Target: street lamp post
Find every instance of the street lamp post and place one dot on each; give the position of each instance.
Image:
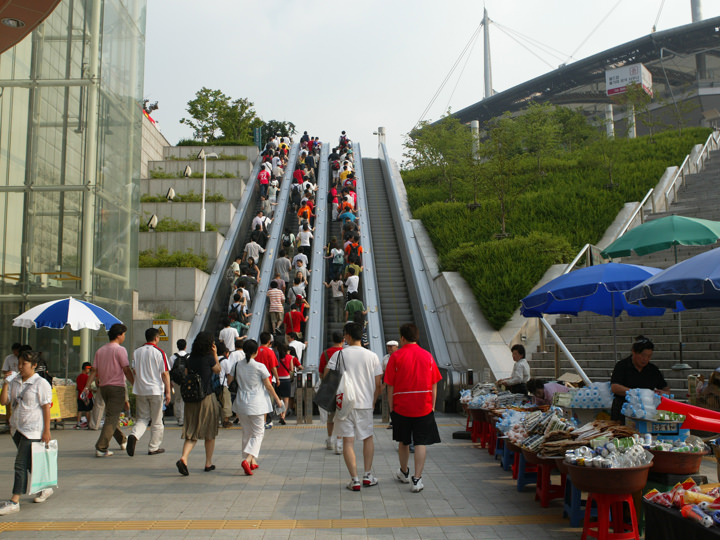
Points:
(202, 155)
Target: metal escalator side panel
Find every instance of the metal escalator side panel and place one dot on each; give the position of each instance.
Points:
(368, 281)
(217, 289)
(315, 327)
(418, 279)
(273, 246)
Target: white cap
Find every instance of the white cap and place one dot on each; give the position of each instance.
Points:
(392, 343)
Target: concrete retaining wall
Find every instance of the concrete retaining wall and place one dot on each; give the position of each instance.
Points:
(191, 152)
(177, 290)
(231, 188)
(237, 168)
(153, 144)
(219, 214)
(198, 242)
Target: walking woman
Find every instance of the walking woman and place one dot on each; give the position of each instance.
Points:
(202, 417)
(30, 397)
(252, 403)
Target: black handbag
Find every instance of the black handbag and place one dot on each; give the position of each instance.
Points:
(325, 395)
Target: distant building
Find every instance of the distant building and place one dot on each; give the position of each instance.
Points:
(685, 67)
(70, 136)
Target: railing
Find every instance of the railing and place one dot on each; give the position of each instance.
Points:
(638, 210)
(712, 143)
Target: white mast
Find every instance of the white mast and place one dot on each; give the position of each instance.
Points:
(488, 63)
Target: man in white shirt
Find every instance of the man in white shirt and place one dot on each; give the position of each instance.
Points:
(363, 368)
(178, 403)
(352, 283)
(228, 335)
(252, 250)
(257, 220)
(298, 346)
(152, 380)
(10, 364)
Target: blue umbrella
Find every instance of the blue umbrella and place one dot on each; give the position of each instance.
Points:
(694, 282)
(68, 312)
(598, 289)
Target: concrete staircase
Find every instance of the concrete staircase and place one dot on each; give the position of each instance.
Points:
(589, 337)
(178, 291)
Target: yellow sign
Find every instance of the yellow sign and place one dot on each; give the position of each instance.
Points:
(164, 328)
(55, 407)
(76, 341)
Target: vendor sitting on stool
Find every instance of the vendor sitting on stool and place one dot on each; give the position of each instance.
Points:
(517, 382)
(544, 391)
(635, 371)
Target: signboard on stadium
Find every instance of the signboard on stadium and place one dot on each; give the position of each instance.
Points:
(618, 79)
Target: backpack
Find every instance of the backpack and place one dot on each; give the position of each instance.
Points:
(354, 251)
(230, 274)
(177, 373)
(339, 258)
(192, 389)
(295, 195)
(286, 240)
(336, 165)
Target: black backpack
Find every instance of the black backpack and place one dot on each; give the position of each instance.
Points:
(295, 194)
(192, 388)
(177, 373)
(286, 240)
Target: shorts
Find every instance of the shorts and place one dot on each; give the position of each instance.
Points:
(283, 388)
(358, 424)
(276, 318)
(421, 430)
(326, 416)
(84, 407)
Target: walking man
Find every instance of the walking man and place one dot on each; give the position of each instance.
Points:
(152, 391)
(111, 367)
(178, 358)
(411, 378)
(363, 368)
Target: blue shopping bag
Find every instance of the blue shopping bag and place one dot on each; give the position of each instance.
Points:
(44, 471)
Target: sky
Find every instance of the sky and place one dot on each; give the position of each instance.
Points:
(333, 66)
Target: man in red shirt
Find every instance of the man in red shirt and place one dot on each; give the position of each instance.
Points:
(329, 418)
(266, 356)
(411, 378)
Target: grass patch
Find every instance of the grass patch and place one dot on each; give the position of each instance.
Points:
(168, 224)
(162, 258)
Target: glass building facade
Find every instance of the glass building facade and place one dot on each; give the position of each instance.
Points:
(70, 136)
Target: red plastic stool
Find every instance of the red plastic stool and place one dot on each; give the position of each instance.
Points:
(516, 465)
(545, 490)
(491, 438)
(606, 504)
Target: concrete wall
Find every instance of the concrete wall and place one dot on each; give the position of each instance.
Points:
(234, 167)
(191, 152)
(208, 242)
(153, 144)
(231, 188)
(219, 214)
(177, 290)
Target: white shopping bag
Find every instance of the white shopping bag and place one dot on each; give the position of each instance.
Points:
(44, 472)
(345, 398)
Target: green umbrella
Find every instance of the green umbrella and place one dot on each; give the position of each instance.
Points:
(662, 234)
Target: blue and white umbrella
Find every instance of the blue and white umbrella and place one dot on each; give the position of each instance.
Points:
(58, 314)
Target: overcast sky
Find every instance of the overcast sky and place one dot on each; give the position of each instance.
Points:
(332, 66)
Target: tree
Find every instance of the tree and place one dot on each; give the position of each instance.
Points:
(215, 116)
(574, 128)
(277, 127)
(636, 102)
(444, 147)
(539, 132)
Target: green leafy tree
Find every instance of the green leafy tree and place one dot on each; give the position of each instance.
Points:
(274, 127)
(215, 116)
(444, 147)
(575, 130)
(539, 132)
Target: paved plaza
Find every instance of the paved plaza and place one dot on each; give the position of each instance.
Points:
(298, 492)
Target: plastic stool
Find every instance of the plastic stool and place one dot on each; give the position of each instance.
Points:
(516, 465)
(600, 529)
(527, 474)
(507, 458)
(574, 505)
(492, 438)
(499, 446)
(545, 490)
(476, 431)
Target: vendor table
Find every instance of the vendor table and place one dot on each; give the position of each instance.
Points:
(667, 524)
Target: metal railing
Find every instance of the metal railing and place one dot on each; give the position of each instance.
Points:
(712, 143)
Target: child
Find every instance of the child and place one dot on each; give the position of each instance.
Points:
(84, 406)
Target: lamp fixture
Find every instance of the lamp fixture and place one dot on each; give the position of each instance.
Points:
(170, 195)
(12, 22)
(152, 222)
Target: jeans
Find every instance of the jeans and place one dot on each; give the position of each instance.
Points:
(23, 462)
(114, 397)
(149, 411)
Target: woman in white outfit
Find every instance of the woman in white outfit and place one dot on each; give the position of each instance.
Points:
(254, 400)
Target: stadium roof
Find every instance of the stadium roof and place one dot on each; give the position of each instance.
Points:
(673, 57)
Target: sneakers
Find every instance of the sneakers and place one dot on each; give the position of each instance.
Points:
(81, 425)
(338, 447)
(369, 480)
(43, 496)
(9, 507)
(269, 425)
(107, 453)
(123, 445)
(403, 477)
(417, 485)
(329, 443)
(131, 442)
(354, 485)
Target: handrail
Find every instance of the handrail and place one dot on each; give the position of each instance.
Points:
(315, 328)
(562, 346)
(590, 249)
(679, 173)
(638, 210)
(368, 281)
(272, 247)
(224, 258)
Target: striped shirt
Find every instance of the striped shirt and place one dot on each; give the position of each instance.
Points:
(276, 298)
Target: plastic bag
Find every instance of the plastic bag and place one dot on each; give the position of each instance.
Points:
(44, 472)
(345, 398)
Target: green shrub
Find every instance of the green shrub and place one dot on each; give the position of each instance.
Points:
(190, 196)
(221, 157)
(568, 206)
(219, 142)
(168, 224)
(178, 259)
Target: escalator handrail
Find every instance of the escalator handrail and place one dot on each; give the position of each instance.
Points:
(224, 258)
(417, 270)
(272, 247)
(368, 279)
(315, 327)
